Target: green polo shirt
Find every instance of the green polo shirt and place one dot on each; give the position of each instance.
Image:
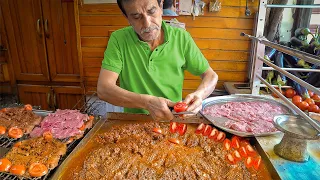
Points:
(159, 72)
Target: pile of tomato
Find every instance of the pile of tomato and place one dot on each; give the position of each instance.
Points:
(311, 104)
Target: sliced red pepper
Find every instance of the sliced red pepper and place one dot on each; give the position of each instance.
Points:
(248, 162)
(235, 142)
(236, 155)
(182, 129)
(157, 130)
(256, 163)
(214, 133)
(173, 127)
(250, 150)
(174, 140)
(207, 130)
(243, 152)
(221, 136)
(227, 144)
(200, 128)
(230, 158)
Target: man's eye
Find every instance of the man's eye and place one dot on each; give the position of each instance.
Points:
(136, 17)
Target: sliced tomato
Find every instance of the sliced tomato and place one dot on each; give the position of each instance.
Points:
(173, 127)
(182, 129)
(180, 107)
(82, 127)
(47, 135)
(5, 164)
(244, 142)
(250, 150)
(214, 133)
(28, 107)
(3, 110)
(17, 144)
(174, 140)
(37, 170)
(227, 144)
(221, 136)
(2, 130)
(256, 163)
(70, 140)
(18, 169)
(15, 132)
(243, 152)
(207, 130)
(248, 162)
(91, 118)
(236, 155)
(230, 159)
(157, 130)
(235, 142)
(200, 128)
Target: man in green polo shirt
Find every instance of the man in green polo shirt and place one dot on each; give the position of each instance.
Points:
(150, 58)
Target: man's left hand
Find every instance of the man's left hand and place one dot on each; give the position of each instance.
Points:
(194, 102)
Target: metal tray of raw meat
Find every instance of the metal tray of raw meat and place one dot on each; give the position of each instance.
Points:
(220, 121)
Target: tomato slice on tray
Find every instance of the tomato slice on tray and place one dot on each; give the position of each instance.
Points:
(227, 144)
(157, 130)
(250, 150)
(200, 128)
(173, 127)
(15, 133)
(243, 152)
(37, 170)
(47, 135)
(174, 140)
(28, 107)
(180, 107)
(207, 130)
(5, 164)
(214, 133)
(230, 159)
(235, 142)
(256, 163)
(248, 162)
(2, 130)
(182, 129)
(236, 155)
(3, 110)
(18, 169)
(221, 136)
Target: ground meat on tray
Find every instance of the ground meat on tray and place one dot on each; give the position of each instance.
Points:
(133, 151)
(253, 116)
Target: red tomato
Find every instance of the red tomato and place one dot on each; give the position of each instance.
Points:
(173, 127)
(37, 170)
(182, 129)
(235, 142)
(309, 101)
(256, 163)
(303, 105)
(214, 133)
(227, 144)
(82, 127)
(47, 135)
(243, 152)
(200, 128)
(174, 140)
(250, 150)
(180, 107)
(296, 100)
(2, 130)
(220, 137)
(3, 110)
(275, 95)
(310, 93)
(15, 132)
(248, 162)
(157, 130)
(28, 107)
(316, 99)
(236, 155)
(17, 169)
(290, 93)
(230, 159)
(244, 142)
(207, 130)
(314, 108)
(5, 164)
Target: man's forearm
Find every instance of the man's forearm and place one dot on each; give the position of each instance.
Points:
(208, 84)
(120, 97)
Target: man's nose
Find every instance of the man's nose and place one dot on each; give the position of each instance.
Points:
(147, 21)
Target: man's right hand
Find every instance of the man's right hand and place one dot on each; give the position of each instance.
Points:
(158, 108)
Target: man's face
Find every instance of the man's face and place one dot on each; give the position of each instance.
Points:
(145, 17)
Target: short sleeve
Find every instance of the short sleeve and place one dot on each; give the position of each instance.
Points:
(112, 60)
(196, 63)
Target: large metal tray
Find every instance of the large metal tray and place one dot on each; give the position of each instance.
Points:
(123, 118)
(219, 121)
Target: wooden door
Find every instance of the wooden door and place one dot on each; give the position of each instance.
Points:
(3, 51)
(67, 97)
(61, 40)
(24, 24)
(36, 95)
